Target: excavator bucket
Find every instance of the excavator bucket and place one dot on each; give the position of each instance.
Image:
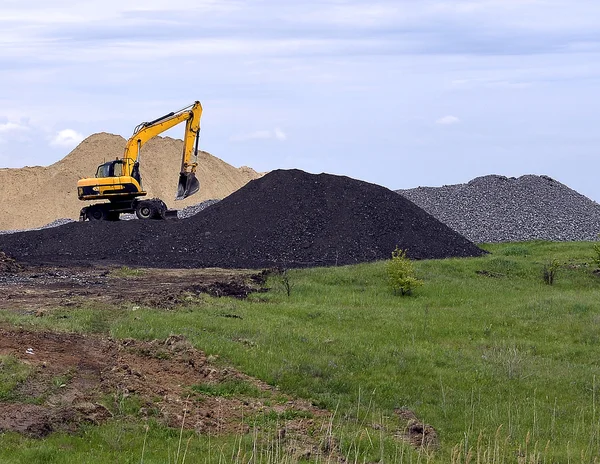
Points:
(188, 185)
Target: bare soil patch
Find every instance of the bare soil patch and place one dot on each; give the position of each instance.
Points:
(8, 264)
(78, 378)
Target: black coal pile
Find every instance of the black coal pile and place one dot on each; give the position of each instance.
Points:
(506, 209)
(287, 218)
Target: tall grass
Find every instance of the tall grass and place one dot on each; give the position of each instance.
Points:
(503, 366)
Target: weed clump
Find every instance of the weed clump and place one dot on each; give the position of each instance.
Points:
(549, 271)
(401, 274)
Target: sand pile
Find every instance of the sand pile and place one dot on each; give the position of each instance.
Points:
(506, 209)
(288, 218)
(35, 196)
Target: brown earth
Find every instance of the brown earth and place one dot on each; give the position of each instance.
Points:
(75, 378)
(35, 196)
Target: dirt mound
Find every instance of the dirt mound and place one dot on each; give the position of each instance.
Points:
(417, 433)
(506, 209)
(71, 376)
(8, 265)
(287, 218)
(34, 196)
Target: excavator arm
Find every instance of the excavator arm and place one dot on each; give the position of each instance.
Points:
(188, 183)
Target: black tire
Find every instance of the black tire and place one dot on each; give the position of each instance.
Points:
(97, 213)
(145, 210)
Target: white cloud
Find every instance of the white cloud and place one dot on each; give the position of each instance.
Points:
(66, 138)
(491, 83)
(279, 134)
(448, 120)
(276, 134)
(12, 127)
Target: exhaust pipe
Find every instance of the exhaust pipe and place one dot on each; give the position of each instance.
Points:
(188, 185)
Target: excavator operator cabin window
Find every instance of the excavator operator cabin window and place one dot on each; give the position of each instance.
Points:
(117, 168)
(110, 169)
(103, 170)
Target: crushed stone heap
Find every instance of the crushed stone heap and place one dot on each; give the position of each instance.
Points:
(288, 218)
(505, 209)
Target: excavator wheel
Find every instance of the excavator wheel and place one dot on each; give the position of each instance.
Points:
(146, 209)
(97, 213)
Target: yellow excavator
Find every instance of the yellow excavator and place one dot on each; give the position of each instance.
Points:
(120, 182)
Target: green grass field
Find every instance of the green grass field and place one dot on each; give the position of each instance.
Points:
(505, 367)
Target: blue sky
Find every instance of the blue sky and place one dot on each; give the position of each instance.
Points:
(399, 93)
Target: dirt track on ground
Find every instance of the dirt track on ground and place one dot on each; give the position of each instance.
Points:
(35, 288)
(97, 373)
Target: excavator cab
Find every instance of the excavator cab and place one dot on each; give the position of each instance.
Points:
(110, 169)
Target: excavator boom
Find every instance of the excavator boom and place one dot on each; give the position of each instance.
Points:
(188, 183)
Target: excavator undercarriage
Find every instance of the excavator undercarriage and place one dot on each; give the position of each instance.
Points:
(143, 209)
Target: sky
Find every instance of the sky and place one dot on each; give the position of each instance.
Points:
(399, 93)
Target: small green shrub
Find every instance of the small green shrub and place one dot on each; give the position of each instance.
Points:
(284, 280)
(126, 271)
(596, 257)
(401, 274)
(549, 271)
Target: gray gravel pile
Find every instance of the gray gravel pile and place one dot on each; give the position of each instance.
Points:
(189, 211)
(55, 223)
(184, 213)
(502, 209)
